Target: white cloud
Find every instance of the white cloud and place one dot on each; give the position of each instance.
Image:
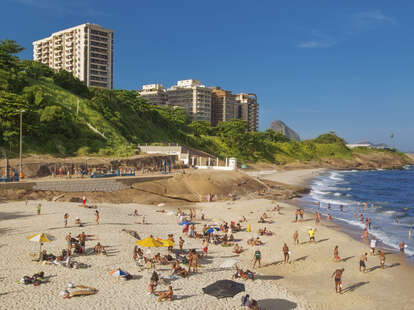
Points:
(315, 44)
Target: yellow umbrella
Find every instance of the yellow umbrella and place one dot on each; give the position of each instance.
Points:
(167, 242)
(40, 238)
(149, 242)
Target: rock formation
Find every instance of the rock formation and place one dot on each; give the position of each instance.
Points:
(284, 129)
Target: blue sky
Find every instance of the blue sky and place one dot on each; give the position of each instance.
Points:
(345, 66)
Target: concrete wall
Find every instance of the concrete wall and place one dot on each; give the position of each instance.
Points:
(85, 185)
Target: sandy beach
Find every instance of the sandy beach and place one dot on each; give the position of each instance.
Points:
(303, 283)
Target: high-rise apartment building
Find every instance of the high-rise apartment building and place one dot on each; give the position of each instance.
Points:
(222, 106)
(248, 110)
(154, 94)
(193, 97)
(85, 50)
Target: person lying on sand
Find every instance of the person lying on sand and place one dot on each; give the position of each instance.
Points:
(237, 249)
(245, 275)
(265, 232)
(168, 295)
(160, 211)
(178, 270)
(257, 241)
(78, 222)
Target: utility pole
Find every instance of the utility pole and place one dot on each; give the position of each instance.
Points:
(21, 142)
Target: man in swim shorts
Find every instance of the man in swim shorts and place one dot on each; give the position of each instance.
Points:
(382, 259)
(362, 262)
(338, 279)
(402, 246)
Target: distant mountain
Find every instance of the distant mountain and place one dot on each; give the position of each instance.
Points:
(284, 129)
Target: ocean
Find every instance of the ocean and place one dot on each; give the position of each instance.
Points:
(389, 195)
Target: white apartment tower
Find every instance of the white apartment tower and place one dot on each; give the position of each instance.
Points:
(154, 93)
(85, 50)
(193, 97)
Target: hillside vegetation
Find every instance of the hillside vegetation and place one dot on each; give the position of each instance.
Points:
(63, 117)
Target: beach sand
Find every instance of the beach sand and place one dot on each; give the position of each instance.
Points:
(305, 283)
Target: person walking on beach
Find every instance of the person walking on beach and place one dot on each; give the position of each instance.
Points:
(336, 257)
(362, 262)
(296, 237)
(65, 219)
(257, 258)
(97, 216)
(205, 247)
(382, 259)
(373, 245)
(338, 279)
(285, 250)
(402, 247)
(38, 208)
(181, 244)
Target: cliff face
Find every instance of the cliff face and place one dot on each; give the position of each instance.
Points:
(284, 129)
(360, 161)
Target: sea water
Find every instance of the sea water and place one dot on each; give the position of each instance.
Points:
(389, 195)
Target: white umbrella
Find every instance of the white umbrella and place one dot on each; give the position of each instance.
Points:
(229, 263)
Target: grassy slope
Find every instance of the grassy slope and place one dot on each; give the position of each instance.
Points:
(145, 129)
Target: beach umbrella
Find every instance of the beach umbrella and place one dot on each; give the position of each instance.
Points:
(149, 242)
(224, 289)
(166, 242)
(211, 229)
(185, 223)
(40, 238)
(229, 263)
(118, 273)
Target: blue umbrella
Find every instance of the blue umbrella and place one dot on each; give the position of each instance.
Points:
(211, 229)
(185, 223)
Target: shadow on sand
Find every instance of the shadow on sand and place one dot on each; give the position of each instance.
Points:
(276, 303)
(346, 259)
(266, 277)
(353, 287)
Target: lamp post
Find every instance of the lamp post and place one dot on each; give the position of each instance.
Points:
(21, 142)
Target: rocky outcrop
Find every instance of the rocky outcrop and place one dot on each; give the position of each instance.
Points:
(280, 126)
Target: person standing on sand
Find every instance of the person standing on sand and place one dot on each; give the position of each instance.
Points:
(84, 200)
(181, 244)
(38, 208)
(205, 247)
(311, 233)
(336, 254)
(285, 250)
(373, 245)
(97, 216)
(338, 279)
(362, 262)
(402, 247)
(65, 219)
(257, 258)
(296, 237)
(382, 259)
(365, 235)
